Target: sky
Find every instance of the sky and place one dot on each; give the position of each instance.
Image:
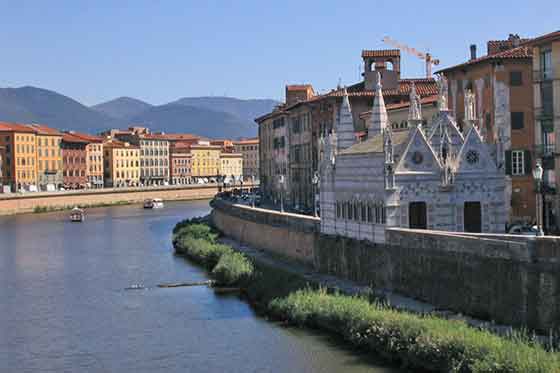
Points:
(159, 51)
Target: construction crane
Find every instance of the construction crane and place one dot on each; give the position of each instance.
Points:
(424, 56)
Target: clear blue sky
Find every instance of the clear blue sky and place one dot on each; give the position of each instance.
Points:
(162, 50)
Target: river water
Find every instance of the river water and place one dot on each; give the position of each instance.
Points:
(64, 307)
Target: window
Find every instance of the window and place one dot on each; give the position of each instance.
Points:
(517, 162)
(515, 78)
(517, 119)
(546, 63)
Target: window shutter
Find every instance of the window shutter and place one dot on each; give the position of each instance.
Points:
(508, 162)
(527, 159)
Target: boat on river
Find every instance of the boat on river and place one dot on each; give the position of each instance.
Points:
(153, 203)
(77, 215)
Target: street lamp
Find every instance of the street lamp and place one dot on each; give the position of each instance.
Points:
(537, 175)
(315, 182)
(281, 182)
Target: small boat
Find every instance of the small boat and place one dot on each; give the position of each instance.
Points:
(155, 203)
(77, 215)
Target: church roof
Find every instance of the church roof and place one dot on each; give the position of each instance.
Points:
(375, 144)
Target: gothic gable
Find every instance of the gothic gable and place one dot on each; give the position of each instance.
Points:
(444, 127)
(418, 156)
(475, 155)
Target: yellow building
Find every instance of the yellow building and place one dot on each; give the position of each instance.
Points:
(231, 165)
(121, 164)
(49, 157)
(205, 160)
(19, 171)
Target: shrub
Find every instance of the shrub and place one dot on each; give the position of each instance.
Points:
(424, 342)
(233, 268)
(201, 250)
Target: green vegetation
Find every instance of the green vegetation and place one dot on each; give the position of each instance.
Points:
(41, 209)
(233, 268)
(417, 342)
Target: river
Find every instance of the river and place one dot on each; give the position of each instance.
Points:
(64, 307)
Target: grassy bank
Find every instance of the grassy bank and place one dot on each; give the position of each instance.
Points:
(417, 342)
(42, 209)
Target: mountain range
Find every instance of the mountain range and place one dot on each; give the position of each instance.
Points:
(213, 117)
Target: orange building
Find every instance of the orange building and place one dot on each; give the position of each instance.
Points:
(94, 159)
(49, 157)
(502, 83)
(20, 164)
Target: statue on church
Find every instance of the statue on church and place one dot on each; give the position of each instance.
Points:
(470, 106)
(415, 107)
(442, 92)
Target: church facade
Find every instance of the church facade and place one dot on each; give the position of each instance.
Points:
(436, 178)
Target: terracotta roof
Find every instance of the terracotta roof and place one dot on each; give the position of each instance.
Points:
(176, 136)
(87, 137)
(299, 87)
(424, 101)
(68, 137)
(119, 144)
(15, 127)
(375, 144)
(424, 87)
(247, 141)
(497, 46)
(381, 53)
(44, 130)
(518, 53)
(553, 36)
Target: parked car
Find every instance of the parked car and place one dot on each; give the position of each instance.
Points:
(524, 230)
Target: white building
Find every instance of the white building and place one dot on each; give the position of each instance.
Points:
(439, 179)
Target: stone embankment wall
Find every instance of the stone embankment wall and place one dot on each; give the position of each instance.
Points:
(16, 204)
(512, 280)
(286, 234)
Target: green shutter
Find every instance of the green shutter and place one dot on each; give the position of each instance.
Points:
(508, 162)
(528, 165)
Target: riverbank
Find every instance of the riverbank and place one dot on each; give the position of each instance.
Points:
(12, 204)
(412, 340)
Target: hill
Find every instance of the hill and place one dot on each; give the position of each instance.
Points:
(122, 108)
(246, 110)
(174, 118)
(37, 105)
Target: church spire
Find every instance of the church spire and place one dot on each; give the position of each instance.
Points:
(378, 120)
(345, 124)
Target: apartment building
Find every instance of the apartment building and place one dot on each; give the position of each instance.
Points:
(249, 148)
(231, 165)
(2, 157)
(546, 106)
(205, 160)
(49, 157)
(74, 161)
(20, 166)
(121, 163)
(180, 164)
(501, 81)
(154, 154)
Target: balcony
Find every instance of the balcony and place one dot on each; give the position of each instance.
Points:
(543, 75)
(545, 113)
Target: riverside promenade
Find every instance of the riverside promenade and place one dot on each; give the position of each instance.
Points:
(19, 203)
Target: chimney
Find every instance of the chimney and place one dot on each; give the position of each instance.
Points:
(473, 51)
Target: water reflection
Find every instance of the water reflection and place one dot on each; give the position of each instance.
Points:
(64, 307)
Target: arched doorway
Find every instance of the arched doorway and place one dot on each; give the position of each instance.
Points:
(417, 215)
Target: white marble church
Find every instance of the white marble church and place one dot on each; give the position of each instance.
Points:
(436, 178)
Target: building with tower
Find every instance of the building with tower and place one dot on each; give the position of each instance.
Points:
(438, 178)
